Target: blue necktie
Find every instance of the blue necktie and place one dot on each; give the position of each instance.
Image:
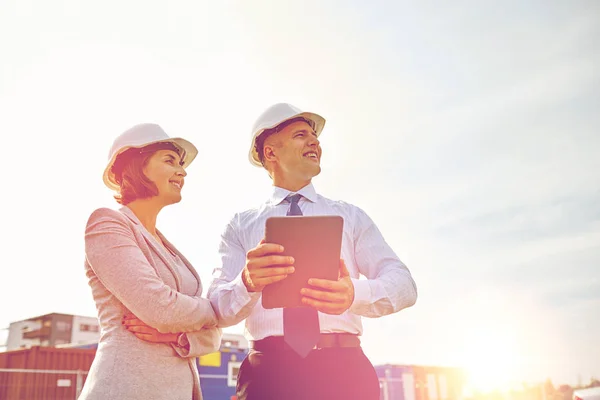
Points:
(300, 324)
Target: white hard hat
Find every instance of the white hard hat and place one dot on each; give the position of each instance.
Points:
(274, 116)
(140, 136)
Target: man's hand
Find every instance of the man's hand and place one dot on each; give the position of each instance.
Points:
(264, 266)
(330, 297)
(145, 332)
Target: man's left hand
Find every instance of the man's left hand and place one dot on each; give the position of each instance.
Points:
(330, 297)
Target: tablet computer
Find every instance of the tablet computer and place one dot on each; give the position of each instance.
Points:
(315, 242)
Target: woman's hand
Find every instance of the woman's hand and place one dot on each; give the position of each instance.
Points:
(145, 332)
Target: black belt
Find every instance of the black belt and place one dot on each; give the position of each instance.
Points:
(326, 340)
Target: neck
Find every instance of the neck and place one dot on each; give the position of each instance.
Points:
(291, 185)
(146, 210)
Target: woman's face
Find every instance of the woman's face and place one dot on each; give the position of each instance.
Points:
(165, 171)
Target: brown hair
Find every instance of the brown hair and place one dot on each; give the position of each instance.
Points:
(259, 143)
(129, 172)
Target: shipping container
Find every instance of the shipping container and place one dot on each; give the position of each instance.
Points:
(439, 383)
(50, 373)
(43, 373)
(218, 373)
(416, 382)
(396, 382)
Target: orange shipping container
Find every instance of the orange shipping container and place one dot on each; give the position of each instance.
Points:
(438, 383)
(44, 373)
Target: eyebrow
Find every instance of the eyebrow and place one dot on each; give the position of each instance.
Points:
(304, 130)
(172, 157)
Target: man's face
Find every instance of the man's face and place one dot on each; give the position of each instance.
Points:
(295, 152)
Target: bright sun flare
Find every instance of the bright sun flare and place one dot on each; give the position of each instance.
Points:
(490, 359)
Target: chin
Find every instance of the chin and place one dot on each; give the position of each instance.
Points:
(309, 174)
(174, 199)
(316, 170)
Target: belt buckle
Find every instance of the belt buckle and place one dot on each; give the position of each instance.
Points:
(318, 347)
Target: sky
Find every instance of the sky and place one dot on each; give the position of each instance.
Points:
(468, 131)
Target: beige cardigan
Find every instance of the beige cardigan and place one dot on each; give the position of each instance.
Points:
(129, 271)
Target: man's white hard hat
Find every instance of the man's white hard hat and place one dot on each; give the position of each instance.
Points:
(275, 115)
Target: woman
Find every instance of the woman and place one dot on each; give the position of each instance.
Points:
(143, 287)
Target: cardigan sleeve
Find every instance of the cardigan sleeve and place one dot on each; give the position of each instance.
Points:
(199, 343)
(117, 260)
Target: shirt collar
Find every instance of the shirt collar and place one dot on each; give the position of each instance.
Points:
(279, 194)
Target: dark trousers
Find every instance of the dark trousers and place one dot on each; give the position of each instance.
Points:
(331, 373)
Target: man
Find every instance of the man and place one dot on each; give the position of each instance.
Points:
(286, 361)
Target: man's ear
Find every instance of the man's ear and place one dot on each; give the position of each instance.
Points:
(269, 153)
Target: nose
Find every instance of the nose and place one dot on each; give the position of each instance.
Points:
(314, 141)
(181, 171)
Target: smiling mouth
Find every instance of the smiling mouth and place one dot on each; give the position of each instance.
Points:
(178, 185)
(312, 155)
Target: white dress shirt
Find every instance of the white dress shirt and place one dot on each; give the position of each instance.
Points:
(388, 288)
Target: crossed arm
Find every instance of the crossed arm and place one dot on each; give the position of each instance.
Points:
(162, 314)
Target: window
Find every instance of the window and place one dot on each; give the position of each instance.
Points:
(88, 328)
(233, 367)
(431, 387)
(63, 326)
(408, 383)
(443, 387)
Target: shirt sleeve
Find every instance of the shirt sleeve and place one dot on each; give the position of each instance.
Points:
(227, 293)
(389, 286)
(116, 259)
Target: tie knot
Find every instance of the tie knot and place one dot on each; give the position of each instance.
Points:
(294, 198)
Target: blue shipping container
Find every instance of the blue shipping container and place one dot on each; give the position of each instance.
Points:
(396, 382)
(218, 373)
(418, 382)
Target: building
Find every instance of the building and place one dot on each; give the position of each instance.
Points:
(417, 382)
(52, 330)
